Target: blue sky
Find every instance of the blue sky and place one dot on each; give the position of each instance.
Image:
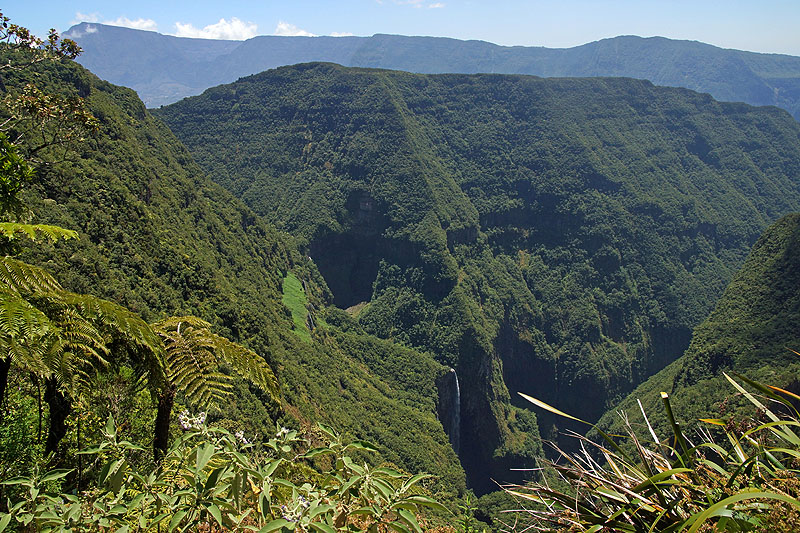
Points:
(759, 25)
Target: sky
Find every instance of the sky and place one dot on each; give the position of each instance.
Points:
(771, 26)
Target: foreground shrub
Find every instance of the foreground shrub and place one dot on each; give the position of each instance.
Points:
(212, 480)
(749, 484)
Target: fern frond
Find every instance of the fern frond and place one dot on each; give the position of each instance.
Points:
(248, 365)
(194, 356)
(192, 365)
(13, 230)
(23, 330)
(24, 278)
(245, 362)
(75, 355)
(122, 325)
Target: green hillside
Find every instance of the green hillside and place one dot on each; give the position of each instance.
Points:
(156, 235)
(752, 331)
(557, 236)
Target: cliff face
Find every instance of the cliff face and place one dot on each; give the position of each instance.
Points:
(752, 331)
(557, 237)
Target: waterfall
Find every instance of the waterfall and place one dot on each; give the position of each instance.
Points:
(455, 436)
(449, 407)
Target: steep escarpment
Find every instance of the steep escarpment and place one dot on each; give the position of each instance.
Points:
(752, 331)
(560, 237)
(156, 235)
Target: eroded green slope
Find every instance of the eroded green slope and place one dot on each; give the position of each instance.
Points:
(156, 235)
(560, 237)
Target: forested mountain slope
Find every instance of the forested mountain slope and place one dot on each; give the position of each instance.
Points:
(156, 235)
(164, 69)
(753, 330)
(560, 237)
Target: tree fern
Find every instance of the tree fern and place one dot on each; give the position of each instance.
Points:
(192, 365)
(193, 358)
(193, 352)
(65, 338)
(34, 232)
(124, 330)
(24, 278)
(22, 330)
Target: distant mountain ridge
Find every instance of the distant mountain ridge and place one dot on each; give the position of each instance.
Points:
(163, 69)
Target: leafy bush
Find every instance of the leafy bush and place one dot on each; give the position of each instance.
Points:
(668, 486)
(211, 479)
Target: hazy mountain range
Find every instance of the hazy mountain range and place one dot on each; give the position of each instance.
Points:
(163, 69)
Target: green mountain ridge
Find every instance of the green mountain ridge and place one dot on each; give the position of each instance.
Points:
(159, 237)
(560, 237)
(164, 69)
(752, 331)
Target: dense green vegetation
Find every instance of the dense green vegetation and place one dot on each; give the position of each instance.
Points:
(753, 330)
(560, 237)
(155, 235)
(557, 236)
(706, 440)
(294, 298)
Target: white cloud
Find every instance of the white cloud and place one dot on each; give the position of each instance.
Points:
(83, 17)
(136, 24)
(342, 34)
(417, 4)
(290, 30)
(77, 34)
(234, 30)
(125, 22)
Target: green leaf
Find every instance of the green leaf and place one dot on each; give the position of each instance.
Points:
(362, 445)
(216, 513)
(277, 525)
(24, 481)
(213, 477)
(4, 521)
(111, 427)
(388, 472)
(55, 474)
(428, 502)
(323, 528)
(204, 454)
(176, 520)
(384, 488)
(400, 528)
(316, 451)
(414, 480)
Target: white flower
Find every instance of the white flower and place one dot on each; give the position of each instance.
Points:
(240, 435)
